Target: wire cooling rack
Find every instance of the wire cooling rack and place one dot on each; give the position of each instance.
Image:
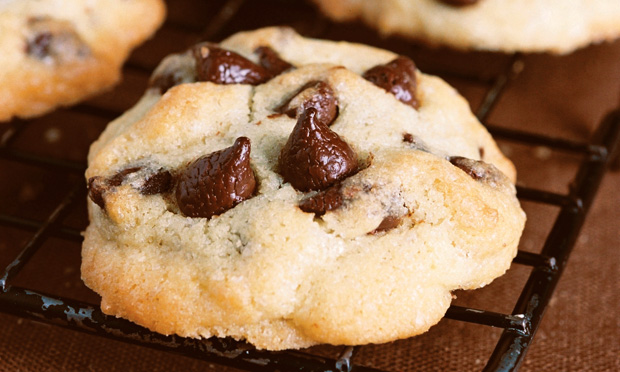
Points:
(519, 326)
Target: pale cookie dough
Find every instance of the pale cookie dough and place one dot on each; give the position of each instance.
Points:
(56, 53)
(417, 209)
(557, 26)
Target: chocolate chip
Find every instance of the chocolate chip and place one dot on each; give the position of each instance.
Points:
(54, 40)
(315, 157)
(222, 66)
(316, 94)
(119, 177)
(215, 183)
(481, 152)
(148, 183)
(397, 77)
(323, 201)
(165, 81)
(459, 2)
(156, 183)
(388, 223)
(271, 61)
(39, 46)
(475, 169)
(415, 142)
(97, 186)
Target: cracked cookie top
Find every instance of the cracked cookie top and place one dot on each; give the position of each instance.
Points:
(291, 191)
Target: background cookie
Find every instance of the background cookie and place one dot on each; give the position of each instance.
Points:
(415, 207)
(59, 52)
(557, 26)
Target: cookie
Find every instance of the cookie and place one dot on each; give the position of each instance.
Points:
(290, 192)
(557, 26)
(56, 53)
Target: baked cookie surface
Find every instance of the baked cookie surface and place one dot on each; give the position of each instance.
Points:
(557, 26)
(290, 192)
(55, 53)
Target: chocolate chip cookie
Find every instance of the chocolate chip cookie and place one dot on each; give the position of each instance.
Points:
(290, 192)
(58, 53)
(557, 26)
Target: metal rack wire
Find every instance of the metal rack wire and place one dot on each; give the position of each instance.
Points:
(519, 326)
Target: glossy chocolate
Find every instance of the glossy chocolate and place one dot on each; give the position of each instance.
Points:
(156, 183)
(314, 156)
(397, 77)
(215, 183)
(222, 66)
(316, 94)
(271, 61)
(324, 201)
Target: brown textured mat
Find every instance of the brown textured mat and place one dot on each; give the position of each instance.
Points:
(564, 96)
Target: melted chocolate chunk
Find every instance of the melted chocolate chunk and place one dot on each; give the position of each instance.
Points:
(388, 223)
(152, 183)
(222, 66)
(156, 183)
(397, 77)
(316, 94)
(314, 156)
(271, 61)
(459, 2)
(215, 183)
(323, 201)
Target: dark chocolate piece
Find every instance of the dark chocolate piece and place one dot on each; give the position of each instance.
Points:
(479, 170)
(397, 77)
(271, 61)
(215, 183)
(468, 166)
(156, 183)
(56, 39)
(408, 137)
(119, 177)
(323, 201)
(153, 183)
(97, 186)
(316, 94)
(315, 157)
(222, 66)
(39, 46)
(388, 223)
(165, 81)
(459, 2)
